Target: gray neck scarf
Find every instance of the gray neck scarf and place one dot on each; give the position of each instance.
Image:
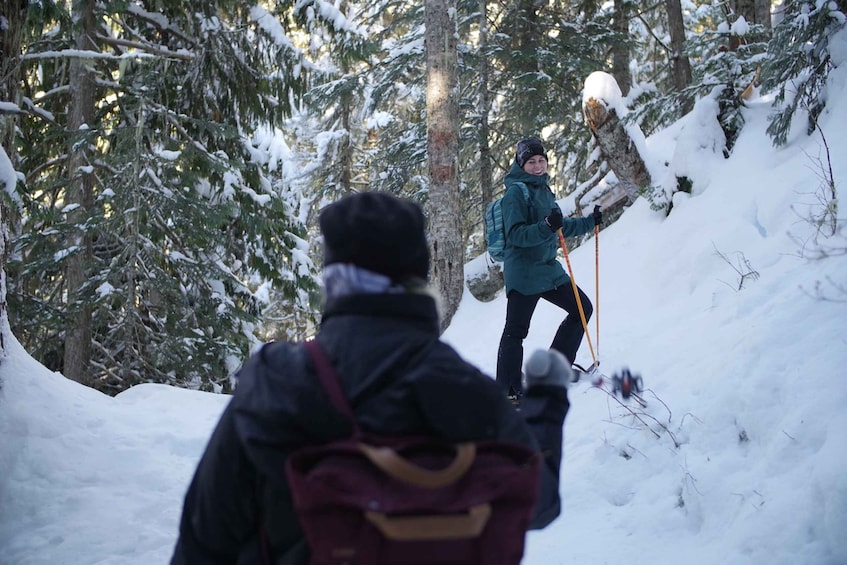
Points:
(343, 279)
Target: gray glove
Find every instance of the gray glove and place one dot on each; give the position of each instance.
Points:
(547, 367)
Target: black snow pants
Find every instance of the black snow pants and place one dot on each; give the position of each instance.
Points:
(519, 310)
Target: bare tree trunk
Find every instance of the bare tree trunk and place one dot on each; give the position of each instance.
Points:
(485, 284)
(345, 157)
(5, 253)
(588, 8)
(12, 18)
(617, 147)
(680, 66)
(745, 9)
(13, 15)
(754, 11)
(763, 14)
(80, 192)
(346, 146)
(442, 120)
(486, 175)
(620, 51)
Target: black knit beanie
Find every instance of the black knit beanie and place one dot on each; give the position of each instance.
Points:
(527, 148)
(378, 232)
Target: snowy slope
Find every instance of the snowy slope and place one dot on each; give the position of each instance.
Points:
(738, 459)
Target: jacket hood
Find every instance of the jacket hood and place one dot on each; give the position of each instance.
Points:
(517, 174)
(278, 403)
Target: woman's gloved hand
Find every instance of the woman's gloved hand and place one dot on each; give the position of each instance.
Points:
(554, 220)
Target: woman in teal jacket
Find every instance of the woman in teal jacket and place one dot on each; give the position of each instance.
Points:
(531, 267)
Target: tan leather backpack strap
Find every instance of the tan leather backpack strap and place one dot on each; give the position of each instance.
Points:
(402, 469)
(423, 528)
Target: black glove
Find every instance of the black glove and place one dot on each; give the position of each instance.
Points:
(547, 368)
(598, 216)
(555, 221)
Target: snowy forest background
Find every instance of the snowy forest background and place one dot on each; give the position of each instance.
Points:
(171, 158)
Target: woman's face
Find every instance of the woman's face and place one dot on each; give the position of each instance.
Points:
(535, 165)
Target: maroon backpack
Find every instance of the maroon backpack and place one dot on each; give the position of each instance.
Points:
(374, 500)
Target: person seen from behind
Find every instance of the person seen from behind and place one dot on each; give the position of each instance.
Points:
(531, 220)
(380, 331)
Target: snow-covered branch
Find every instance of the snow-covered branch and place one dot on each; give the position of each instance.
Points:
(147, 48)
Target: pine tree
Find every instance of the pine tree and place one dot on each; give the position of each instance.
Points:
(396, 99)
(188, 225)
(799, 62)
(725, 55)
(538, 84)
(331, 132)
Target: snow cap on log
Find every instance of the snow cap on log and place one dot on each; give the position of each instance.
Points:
(600, 95)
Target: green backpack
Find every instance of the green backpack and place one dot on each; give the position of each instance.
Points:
(495, 231)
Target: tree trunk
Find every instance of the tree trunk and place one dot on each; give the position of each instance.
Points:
(442, 122)
(346, 148)
(745, 9)
(763, 14)
(485, 285)
(680, 66)
(486, 175)
(620, 49)
(80, 193)
(755, 11)
(617, 147)
(5, 253)
(588, 8)
(13, 14)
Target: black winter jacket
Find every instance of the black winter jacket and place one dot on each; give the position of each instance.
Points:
(399, 378)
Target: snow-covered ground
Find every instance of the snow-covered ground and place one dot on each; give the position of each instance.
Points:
(740, 457)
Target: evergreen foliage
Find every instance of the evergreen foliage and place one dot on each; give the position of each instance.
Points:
(799, 62)
(222, 128)
(396, 151)
(726, 58)
(187, 224)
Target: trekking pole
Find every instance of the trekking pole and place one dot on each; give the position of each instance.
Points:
(597, 287)
(576, 295)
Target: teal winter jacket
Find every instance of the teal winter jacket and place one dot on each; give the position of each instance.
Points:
(531, 265)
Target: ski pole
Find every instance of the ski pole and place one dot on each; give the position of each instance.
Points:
(576, 295)
(597, 286)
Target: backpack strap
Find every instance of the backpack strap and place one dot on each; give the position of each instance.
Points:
(398, 467)
(386, 458)
(330, 381)
(525, 191)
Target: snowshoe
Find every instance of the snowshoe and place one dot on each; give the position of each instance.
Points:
(591, 374)
(627, 384)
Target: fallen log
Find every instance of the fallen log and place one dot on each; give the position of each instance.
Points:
(613, 139)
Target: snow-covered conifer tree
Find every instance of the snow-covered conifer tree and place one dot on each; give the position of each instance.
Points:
(187, 228)
(799, 62)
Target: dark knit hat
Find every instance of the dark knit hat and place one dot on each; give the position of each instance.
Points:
(527, 148)
(378, 232)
